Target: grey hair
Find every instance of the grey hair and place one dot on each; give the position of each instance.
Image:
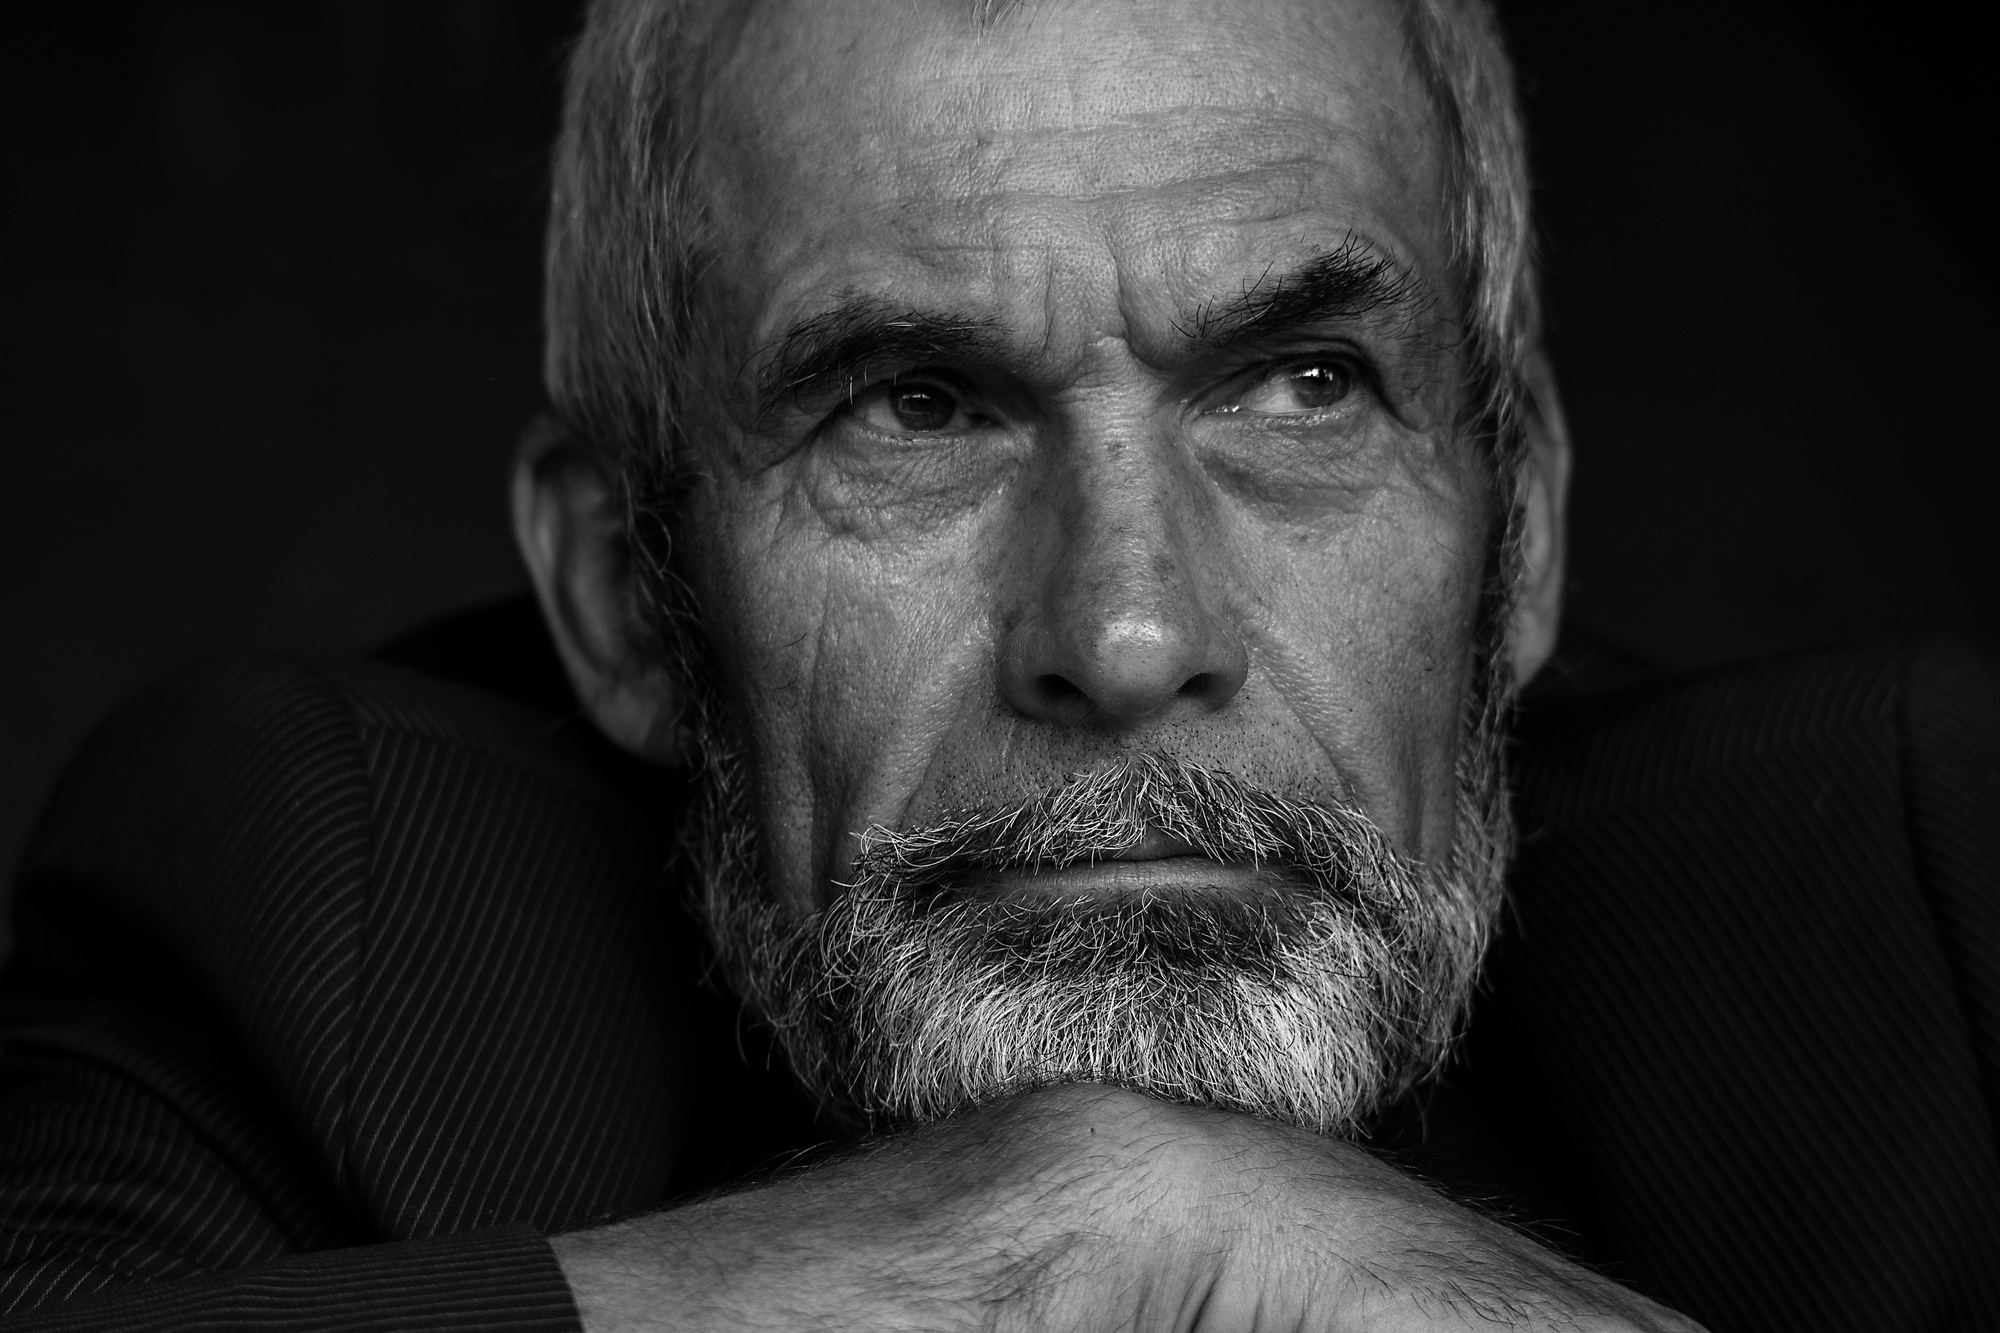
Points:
(626, 243)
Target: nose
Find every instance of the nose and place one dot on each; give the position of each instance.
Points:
(1119, 628)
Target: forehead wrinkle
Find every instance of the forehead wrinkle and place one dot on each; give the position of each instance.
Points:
(1105, 161)
(1247, 196)
(1158, 243)
(950, 212)
(1018, 82)
(1098, 122)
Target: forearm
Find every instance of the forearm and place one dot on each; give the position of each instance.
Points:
(1088, 1208)
(993, 1220)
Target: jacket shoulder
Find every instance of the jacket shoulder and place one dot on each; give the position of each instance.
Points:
(1742, 994)
(433, 921)
(215, 812)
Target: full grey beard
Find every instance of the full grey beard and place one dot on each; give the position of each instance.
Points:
(908, 998)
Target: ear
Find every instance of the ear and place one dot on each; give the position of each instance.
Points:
(569, 521)
(1543, 488)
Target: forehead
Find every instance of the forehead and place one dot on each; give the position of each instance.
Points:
(1073, 167)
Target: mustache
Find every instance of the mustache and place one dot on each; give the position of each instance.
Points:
(1092, 815)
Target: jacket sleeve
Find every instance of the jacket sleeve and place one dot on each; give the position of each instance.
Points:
(158, 1169)
(145, 1185)
(504, 1278)
(1951, 779)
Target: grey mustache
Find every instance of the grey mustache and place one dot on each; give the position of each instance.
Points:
(1107, 810)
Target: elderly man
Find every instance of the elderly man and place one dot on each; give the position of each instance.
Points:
(1112, 430)
(1078, 485)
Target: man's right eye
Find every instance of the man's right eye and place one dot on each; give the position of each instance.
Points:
(914, 407)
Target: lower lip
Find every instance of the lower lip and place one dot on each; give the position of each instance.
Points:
(1120, 879)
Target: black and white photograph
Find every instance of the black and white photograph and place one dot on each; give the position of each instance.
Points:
(1189, 666)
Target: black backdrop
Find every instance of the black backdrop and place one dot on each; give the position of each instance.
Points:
(271, 326)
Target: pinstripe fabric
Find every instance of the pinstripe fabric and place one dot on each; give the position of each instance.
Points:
(337, 987)
(1952, 784)
(1740, 1034)
(136, 1150)
(323, 957)
(494, 1280)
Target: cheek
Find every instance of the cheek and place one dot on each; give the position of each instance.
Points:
(840, 656)
(1366, 634)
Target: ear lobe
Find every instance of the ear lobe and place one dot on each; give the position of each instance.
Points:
(569, 521)
(1544, 497)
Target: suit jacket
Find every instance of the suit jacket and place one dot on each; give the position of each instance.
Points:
(340, 986)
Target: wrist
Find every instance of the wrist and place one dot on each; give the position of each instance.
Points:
(941, 1226)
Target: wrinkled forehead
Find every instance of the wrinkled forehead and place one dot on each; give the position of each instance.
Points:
(1109, 163)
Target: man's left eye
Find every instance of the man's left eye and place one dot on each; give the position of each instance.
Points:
(1300, 389)
(911, 408)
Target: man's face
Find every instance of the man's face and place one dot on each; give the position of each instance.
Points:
(1086, 384)
(1095, 587)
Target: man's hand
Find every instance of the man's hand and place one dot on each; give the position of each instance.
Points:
(1090, 1208)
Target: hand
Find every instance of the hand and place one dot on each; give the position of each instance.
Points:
(1090, 1208)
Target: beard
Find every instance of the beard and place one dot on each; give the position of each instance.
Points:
(1316, 1000)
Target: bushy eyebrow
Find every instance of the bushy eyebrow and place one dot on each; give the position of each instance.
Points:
(859, 338)
(1350, 282)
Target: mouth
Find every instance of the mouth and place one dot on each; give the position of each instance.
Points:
(1157, 866)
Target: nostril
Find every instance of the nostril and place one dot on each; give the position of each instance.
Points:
(1055, 689)
(1106, 679)
(1060, 699)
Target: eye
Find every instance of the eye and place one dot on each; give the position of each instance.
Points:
(1299, 389)
(913, 407)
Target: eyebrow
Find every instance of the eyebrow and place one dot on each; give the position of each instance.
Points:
(841, 346)
(1347, 283)
(860, 336)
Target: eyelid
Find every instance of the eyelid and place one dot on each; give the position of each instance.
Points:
(983, 402)
(1260, 368)
(970, 401)
(843, 390)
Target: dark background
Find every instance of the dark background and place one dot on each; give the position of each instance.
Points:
(271, 327)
